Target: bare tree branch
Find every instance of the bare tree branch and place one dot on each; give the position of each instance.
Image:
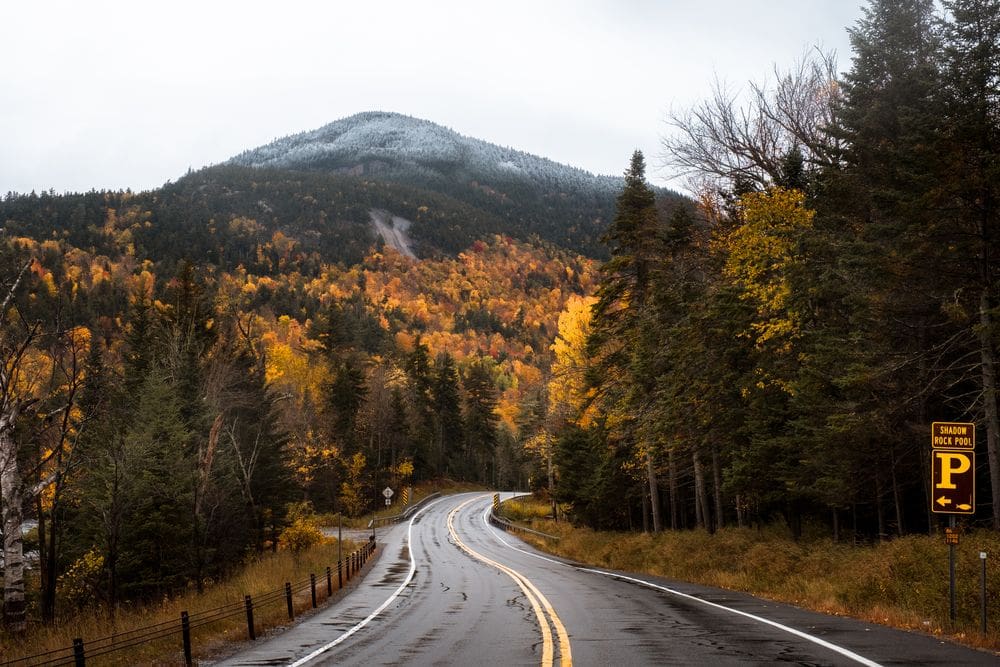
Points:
(725, 142)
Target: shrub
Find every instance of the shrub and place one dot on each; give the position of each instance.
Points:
(304, 531)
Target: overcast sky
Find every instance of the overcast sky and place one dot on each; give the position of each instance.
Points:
(115, 94)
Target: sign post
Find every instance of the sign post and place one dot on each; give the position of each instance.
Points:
(953, 483)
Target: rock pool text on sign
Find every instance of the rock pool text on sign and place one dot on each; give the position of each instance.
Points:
(953, 435)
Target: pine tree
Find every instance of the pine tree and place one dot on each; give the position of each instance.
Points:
(619, 328)
(98, 500)
(481, 420)
(158, 492)
(346, 395)
(448, 427)
(420, 374)
(969, 186)
(889, 122)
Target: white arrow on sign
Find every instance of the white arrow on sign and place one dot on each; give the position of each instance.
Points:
(387, 493)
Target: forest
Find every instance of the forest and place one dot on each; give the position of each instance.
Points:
(784, 351)
(183, 368)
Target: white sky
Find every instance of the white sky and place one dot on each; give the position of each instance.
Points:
(130, 94)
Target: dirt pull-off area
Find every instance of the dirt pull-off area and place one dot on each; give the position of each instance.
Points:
(392, 229)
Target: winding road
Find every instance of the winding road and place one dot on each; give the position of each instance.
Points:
(449, 589)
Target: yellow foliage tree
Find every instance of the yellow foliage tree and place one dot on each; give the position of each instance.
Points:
(569, 397)
(352, 490)
(760, 253)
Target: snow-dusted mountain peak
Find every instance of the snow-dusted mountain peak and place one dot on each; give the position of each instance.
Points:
(392, 144)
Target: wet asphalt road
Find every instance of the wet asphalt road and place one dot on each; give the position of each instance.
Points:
(460, 610)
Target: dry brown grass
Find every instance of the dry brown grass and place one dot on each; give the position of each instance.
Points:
(265, 574)
(901, 583)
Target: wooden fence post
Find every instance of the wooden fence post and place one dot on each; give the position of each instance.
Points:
(78, 656)
(186, 637)
(248, 603)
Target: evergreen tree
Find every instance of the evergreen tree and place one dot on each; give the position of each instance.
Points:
(347, 394)
(140, 346)
(621, 333)
(969, 190)
(481, 420)
(421, 380)
(157, 489)
(592, 478)
(889, 122)
(254, 453)
(448, 427)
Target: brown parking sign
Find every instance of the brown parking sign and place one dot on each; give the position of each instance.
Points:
(953, 467)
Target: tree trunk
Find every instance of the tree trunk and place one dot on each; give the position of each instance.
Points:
(654, 492)
(645, 513)
(43, 561)
(879, 510)
(551, 472)
(672, 468)
(717, 488)
(702, 517)
(925, 464)
(896, 497)
(51, 571)
(989, 375)
(12, 495)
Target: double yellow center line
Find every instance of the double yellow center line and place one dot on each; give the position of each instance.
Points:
(539, 603)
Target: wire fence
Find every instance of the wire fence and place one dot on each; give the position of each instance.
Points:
(320, 587)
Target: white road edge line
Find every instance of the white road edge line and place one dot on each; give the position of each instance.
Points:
(409, 577)
(798, 633)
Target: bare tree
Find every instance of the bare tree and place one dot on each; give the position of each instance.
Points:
(732, 139)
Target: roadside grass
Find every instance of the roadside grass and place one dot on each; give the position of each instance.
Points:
(902, 582)
(266, 573)
(526, 508)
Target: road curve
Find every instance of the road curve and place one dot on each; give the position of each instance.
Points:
(449, 589)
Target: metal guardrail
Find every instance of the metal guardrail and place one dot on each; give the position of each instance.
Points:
(508, 526)
(396, 518)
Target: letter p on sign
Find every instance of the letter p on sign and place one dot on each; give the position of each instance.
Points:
(952, 463)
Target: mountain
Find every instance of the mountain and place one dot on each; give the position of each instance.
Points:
(407, 149)
(317, 193)
(532, 195)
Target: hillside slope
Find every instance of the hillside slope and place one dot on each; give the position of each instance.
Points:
(532, 195)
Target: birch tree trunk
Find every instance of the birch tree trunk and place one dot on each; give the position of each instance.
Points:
(11, 483)
(12, 494)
